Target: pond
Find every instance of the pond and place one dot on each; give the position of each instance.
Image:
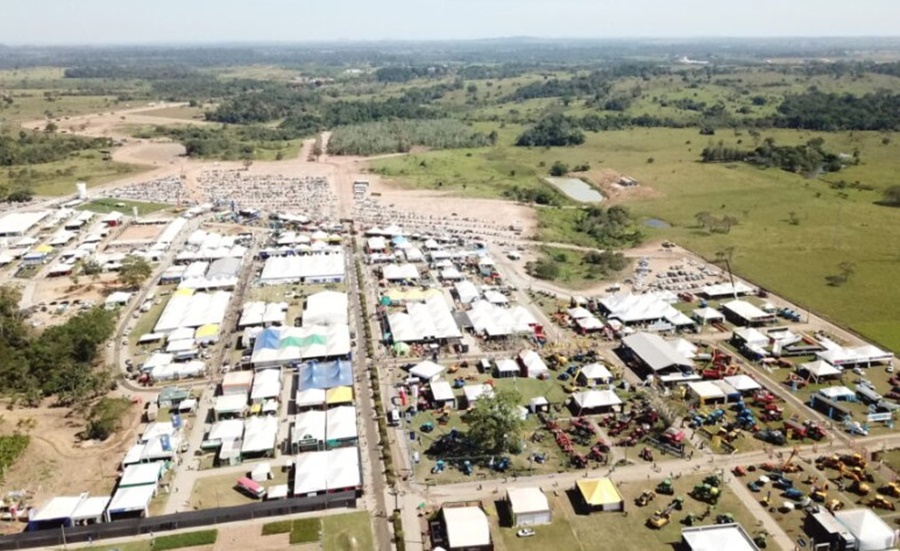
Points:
(577, 189)
(657, 223)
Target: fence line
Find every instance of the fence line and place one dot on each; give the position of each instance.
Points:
(176, 521)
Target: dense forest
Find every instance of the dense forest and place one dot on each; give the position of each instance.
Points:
(26, 148)
(553, 130)
(830, 112)
(59, 362)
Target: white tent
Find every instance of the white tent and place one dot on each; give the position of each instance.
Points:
(596, 373)
(332, 470)
(442, 393)
(428, 320)
(529, 506)
(128, 500)
(466, 291)
(310, 398)
(706, 390)
(395, 272)
(873, 533)
(142, 474)
(231, 429)
(266, 385)
(231, 404)
(315, 268)
(707, 315)
(596, 399)
(340, 425)
(820, 369)
(742, 383)
(507, 368)
(474, 393)
(534, 365)
(426, 370)
(260, 434)
(326, 308)
(579, 312)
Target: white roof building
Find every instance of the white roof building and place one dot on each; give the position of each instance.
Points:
(726, 290)
(309, 425)
(266, 385)
(595, 372)
(260, 434)
(324, 471)
(533, 364)
(142, 474)
(428, 320)
(18, 223)
(263, 313)
(507, 366)
(326, 308)
(400, 272)
(466, 527)
(186, 309)
(474, 393)
(313, 268)
(717, 537)
(497, 321)
(650, 307)
(746, 311)
(655, 352)
(442, 392)
(466, 291)
(228, 430)
(128, 500)
(873, 533)
(529, 506)
(341, 424)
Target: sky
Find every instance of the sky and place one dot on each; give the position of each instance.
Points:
(210, 21)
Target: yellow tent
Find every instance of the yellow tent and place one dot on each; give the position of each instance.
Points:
(45, 249)
(339, 395)
(183, 292)
(600, 493)
(208, 331)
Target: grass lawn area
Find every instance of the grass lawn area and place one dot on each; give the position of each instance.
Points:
(58, 178)
(793, 260)
(572, 530)
(351, 532)
(105, 206)
(219, 490)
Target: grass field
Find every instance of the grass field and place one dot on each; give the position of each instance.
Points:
(197, 539)
(833, 225)
(58, 178)
(104, 206)
(350, 532)
(573, 530)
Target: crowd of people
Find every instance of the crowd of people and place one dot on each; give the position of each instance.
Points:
(309, 196)
(170, 191)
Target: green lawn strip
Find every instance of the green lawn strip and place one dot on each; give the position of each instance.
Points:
(188, 539)
(350, 532)
(277, 527)
(305, 530)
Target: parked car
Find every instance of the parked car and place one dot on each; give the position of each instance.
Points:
(525, 532)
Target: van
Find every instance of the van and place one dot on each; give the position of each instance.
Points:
(394, 417)
(251, 488)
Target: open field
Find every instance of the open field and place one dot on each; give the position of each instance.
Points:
(58, 178)
(219, 490)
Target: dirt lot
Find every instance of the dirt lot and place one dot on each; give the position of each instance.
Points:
(47, 290)
(56, 463)
(606, 180)
(140, 232)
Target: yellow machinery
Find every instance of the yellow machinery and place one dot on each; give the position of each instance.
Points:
(835, 505)
(788, 466)
(645, 498)
(882, 502)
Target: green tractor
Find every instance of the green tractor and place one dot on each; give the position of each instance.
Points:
(713, 481)
(706, 493)
(761, 540)
(724, 518)
(665, 488)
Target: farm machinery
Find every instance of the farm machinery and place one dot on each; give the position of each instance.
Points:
(882, 502)
(665, 488)
(708, 490)
(661, 518)
(646, 497)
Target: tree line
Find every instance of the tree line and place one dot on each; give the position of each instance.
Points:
(816, 110)
(399, 136)
(28, 148)
(808, 158)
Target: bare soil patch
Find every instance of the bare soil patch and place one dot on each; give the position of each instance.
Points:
(606, 180)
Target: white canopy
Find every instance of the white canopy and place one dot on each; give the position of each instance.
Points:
(134, 498)
(466, 291)
(331, 470)
(742, 383)
(428, 320)
(591, 399)
(442, 392)
(341, 423)
(596, 371)
(507, 365)
(395, 272)
(820, 368)
(260, 434)
(231, 429)
(706, 390)
(426, 370)
(873, 533)
(311, 397)
(326, 308)
(534, 365)
(475, 392)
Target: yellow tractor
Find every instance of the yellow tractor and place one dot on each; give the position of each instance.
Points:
(659, 519)
(645, 498)
(882, 502)
(835, 505)
(860, 488)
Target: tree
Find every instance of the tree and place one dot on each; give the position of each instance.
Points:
(105, 418)
(135, 270)
(543, 269)
(494, 424)
(891, 196)
(559, 168)
(91, 268)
